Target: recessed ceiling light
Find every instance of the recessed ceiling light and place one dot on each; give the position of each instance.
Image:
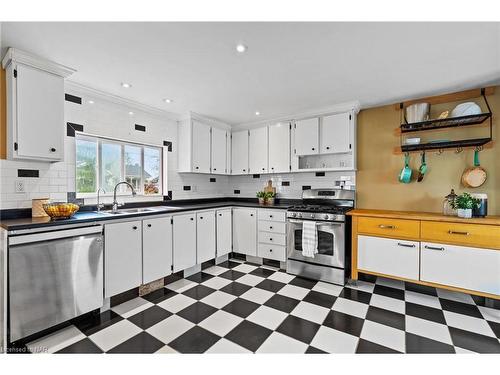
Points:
(131, 113)
(91, 102)
(240, 48)
(126, 85)
(168, 100)
(257, 113)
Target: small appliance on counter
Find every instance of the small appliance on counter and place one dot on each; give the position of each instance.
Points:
(482, 210)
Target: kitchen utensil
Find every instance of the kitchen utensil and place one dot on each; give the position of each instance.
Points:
(443, 115)
(417, 112)
(406, 172)
(60, 210)
(475, 176)
(423, 168)
(466, 109)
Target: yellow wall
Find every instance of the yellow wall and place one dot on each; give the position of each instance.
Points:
(378, 166)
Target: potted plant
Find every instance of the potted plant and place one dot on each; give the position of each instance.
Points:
(262, 197)
(270, 198)
(464, 204)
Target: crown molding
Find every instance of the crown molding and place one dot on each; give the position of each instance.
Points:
(35, 61)
(207, 120)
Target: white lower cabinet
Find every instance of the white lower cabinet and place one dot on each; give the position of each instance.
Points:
(274, 252)
(205, 236)
(184, 241)
(122, 257)
(460, 266)
(156, 249)
(245, 231)
(389, 256)
(224, 232)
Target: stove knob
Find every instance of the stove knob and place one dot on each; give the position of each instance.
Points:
(326, 217)
(312, 216)
(293, 214)
(299, 215)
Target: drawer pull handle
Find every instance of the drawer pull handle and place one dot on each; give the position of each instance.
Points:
(461, 233)
(434, 248)
(382, 226)
(134, 227)
(270, 250)
(149, 225)
(271, 227)
(270, 239)
(405, 244)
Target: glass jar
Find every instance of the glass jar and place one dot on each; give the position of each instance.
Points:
(447, 204)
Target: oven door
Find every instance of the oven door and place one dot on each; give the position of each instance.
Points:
(331, 245)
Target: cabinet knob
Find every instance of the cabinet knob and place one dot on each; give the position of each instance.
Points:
(244, 170)
(149, 225)
(196, 167)
(220, 214)
(134, 227)
(201, 217)
(270, 250)
(327, 147)
(312, 148)
(52, 149)
(215, 169)
(251, 214)
(272, 168)
(191, 218)
(263, 169)
(270, 239)
(271, 216)
(270, 227)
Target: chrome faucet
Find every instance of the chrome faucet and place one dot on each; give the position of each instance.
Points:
(99, 204)
(115, 202)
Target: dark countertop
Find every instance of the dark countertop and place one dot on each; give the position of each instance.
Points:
(167, 207)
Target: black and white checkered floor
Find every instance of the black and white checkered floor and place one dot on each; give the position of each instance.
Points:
(243, 308)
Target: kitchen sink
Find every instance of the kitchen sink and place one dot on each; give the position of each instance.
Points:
(128, 211)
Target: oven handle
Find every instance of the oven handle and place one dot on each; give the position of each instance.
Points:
(293, 221)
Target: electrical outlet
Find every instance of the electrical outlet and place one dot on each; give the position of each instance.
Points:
(19, 187)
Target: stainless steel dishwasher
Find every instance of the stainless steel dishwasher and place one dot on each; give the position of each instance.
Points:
(54, 276)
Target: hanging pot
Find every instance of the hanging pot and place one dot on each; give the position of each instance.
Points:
(423, 168)
(406, 172)
(475, 176)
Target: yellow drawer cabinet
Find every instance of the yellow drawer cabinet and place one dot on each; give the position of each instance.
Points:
(386, 227)
(476, 235)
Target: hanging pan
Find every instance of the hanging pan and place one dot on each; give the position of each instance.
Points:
(475, 176)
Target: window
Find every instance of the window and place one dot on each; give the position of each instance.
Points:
(102, 162)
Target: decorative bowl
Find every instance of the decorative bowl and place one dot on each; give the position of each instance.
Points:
(60, 210)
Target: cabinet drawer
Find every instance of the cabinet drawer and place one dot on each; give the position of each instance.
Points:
(272, 238)
(462, 267)
(389, 227)
(272, 215)
(272, 252)
(272, 226)
(390, 257)
(477, 235)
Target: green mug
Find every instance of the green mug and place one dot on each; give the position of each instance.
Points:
(406, 172)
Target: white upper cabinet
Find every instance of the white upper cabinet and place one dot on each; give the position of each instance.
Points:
(279, 147)
(201, 147)
(334, 133)
(306, 136)
(35, 107)
(258, 150)
(239, 152)
(219, 154)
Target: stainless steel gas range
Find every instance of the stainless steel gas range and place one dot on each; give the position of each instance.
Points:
(327, 208)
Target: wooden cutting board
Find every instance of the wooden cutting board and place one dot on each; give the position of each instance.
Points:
(269, 187)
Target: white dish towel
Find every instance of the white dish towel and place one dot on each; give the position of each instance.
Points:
(309, 239)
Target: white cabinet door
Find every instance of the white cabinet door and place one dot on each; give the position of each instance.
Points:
(239, 152)
(184, 234)
(460, 266)
(279, 148)
(245, 231)
(334, 135)
(390, 257)
(224, 232)
(205, 233)
(122, 257)
(201, 147)
(156, 249)
(307, 137)
(40, 114)
(257, 149)
(219, 151)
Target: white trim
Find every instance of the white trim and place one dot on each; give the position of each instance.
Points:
(26, 58)
(205, 119)
(98, 94)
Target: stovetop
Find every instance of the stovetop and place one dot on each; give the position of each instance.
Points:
(318, 212)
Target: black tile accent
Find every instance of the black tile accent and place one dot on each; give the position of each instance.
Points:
(306, 187)
(196, 341)
(140, 128)
(256, 176)
(344, 322)
(282, 303)
(320, 174)
(249, 335)
(85, 346)
(285, 183)
(199, 292)
(386, 317)
(241, 307)
(313, 350)
(197, 312)
(186, 187)
(236, 191)
(149, 317)
(232, 274)
(474, 341)
(419, 344)
(229, 264)
(368, 278)
(356, 295)
(168, 144)
(15, 213)
(270, 285)
(28, 173)
(124, 297)
(140, 343)
(303, 283)
(368, 347)
(300, 329)
(168, 197)
(271, 263)
(96, 322)
(159, 295)
(495, 327)
(200, 277)
(320, 299)
(236, 289)
(73, 98)
(262, 272)
(173, 277)
(71, 128)
(389, 292)
(425, 312)
(424, 289)
(213, 179)
(460, 308)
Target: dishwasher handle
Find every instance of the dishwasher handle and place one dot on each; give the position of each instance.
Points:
(54, 235)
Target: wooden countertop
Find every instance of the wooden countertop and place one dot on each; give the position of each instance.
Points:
(426, 216)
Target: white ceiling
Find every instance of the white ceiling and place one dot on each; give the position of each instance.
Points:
(288, 68)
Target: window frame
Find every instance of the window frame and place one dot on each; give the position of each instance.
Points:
(99, 140)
